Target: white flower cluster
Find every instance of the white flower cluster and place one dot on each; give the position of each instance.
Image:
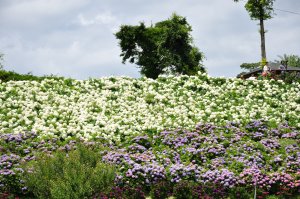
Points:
(114, 107)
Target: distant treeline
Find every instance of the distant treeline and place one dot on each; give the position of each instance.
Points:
(6, 76)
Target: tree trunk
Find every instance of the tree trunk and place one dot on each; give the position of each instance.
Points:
(262, 38)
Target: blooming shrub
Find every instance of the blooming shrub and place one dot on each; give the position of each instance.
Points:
(231, 134)
(73, 175)
(115, 107)
(240, 159)
(227, 156)
(19, 149)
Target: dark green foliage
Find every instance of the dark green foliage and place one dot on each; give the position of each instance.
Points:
(1, 59)
(161, 190)
(77, 174)
(290, 77)
(122, 192)
(6, 76)
(260, 9)
(183, 190)
(292, 60)
(249, 66)
(240, 192)
(165, 47)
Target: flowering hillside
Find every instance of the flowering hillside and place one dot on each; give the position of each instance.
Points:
(197, 136)
(118, 106)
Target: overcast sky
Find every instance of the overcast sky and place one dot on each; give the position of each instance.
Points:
(75, 38)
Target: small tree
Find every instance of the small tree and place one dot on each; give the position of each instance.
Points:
(291, 60)
(260, 10)
(1, 59)
(165, 47)
(249, 66)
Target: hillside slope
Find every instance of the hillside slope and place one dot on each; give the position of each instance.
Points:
(117, 106)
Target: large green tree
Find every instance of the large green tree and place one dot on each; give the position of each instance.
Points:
(260, 10)
(164, 47)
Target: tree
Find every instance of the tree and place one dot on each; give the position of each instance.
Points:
(291, 60)
(260, 10)
(249, 66)
(165, 47)
(1, 59)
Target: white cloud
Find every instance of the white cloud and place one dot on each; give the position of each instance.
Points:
(104, 18)
(75, 37)
(31, 12)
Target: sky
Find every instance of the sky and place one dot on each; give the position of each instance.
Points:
(75, 38)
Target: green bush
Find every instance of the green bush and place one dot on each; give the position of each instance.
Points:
(77, 174)
(183, 190)
(6, 76)
(161, 190)
(240, 192)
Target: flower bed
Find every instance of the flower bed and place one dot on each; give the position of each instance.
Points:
(223, 134)
(113, 108)
(230, 156)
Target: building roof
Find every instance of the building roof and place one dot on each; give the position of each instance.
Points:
(273, 67)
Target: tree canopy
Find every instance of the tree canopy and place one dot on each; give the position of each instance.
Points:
(259, 9)
(250, 66)
(164, 47)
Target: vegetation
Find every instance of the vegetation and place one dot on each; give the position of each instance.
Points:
(114, 108)
(260, 10)
(291, 60)
(74, 175)
(209, 137)
(165, 47)
(249, 66)
(6, 76)
(1, 60)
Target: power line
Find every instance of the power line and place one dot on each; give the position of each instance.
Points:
(296, 13)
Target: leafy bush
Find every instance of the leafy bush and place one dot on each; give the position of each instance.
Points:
(6, 76)
(272, 197)
(77, 174)
(290, 77)
(240, 192)
(183, 190)
(126, 192)
(161, 190)
(209, 190)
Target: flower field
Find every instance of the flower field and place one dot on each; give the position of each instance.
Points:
(227, 155)
(229, 133)
(116, 107)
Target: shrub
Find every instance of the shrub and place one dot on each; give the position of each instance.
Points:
(161, 190)
(126, 192)
(240, 192)
(6, 76)
(76, 174)
(183, 190)
(209, 190)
